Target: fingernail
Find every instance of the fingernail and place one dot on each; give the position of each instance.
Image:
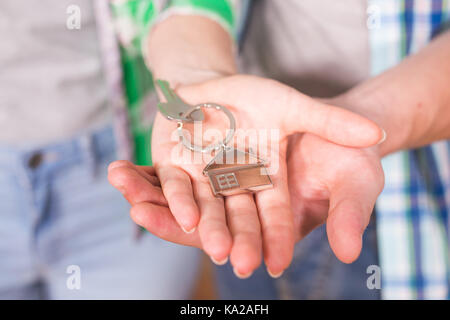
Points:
(240, 275)
(117, 164)
(189, 231)
(112, 165)
(383, 138)
(120, 188)
(219, 263)
(118, 185)
(274, 275)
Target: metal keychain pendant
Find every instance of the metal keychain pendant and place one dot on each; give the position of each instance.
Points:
(231, 171)
(229, 179)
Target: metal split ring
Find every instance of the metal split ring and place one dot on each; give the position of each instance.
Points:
(213, 147)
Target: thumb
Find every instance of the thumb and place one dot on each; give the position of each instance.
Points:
(296, 111)
(332, 123)
(350, 209)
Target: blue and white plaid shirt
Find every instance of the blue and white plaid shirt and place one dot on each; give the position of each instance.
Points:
(412, 211)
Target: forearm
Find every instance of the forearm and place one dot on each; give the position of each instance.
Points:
(410, 101)
(188, 49)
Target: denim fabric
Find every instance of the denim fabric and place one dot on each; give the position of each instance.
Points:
(57, 209)
(315, 273)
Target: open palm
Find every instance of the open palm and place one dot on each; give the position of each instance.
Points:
(240, 226)
(333, 184)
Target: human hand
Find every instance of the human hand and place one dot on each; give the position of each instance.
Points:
(336, 185)
(239, 225)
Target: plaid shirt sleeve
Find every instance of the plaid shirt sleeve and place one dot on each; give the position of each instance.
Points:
(135, 18)
(412, 211)
(221, 11)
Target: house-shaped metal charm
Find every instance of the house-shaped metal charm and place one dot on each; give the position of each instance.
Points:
(233, 171)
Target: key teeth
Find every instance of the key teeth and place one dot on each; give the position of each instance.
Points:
(199, 116)
(161, 108)
(172, 98)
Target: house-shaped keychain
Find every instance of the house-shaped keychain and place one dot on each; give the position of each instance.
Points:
(233, 171)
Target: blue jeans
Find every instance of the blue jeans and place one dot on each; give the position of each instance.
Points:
(65, 233)
(315, 273)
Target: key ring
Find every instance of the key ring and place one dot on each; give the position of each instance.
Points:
(225, 177)
(213, 147)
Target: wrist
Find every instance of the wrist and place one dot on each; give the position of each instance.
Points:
(380, 107)
(190, 49)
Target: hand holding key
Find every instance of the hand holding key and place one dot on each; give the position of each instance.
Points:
(241, 225)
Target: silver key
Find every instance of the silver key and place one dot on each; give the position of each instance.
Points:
(174, 108)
